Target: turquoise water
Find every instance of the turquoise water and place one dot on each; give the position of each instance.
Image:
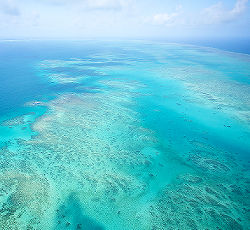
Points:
(123, 135)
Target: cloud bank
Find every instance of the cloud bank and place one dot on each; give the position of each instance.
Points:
(218, 14)
(122, 18)
(214, 14)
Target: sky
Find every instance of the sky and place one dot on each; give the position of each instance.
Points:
(124, 18)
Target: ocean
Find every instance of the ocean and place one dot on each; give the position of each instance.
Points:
(123, 135)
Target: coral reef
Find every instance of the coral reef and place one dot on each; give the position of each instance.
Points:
(124, 144)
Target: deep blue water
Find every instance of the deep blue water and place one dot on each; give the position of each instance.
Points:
(238, 45)
(241, 45)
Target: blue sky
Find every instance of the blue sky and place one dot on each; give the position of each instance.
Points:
(124, 18)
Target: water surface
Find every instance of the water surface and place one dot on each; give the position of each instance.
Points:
(123, 135)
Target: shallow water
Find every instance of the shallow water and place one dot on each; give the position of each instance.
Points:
(123, 135)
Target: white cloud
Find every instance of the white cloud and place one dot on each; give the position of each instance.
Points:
(164, 19)
(240, 6)
(167, 19)
(8, 7)
(104, 4)
(218, 14)
(215, 14)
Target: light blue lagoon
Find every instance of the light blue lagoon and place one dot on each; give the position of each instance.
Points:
(123, 135)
